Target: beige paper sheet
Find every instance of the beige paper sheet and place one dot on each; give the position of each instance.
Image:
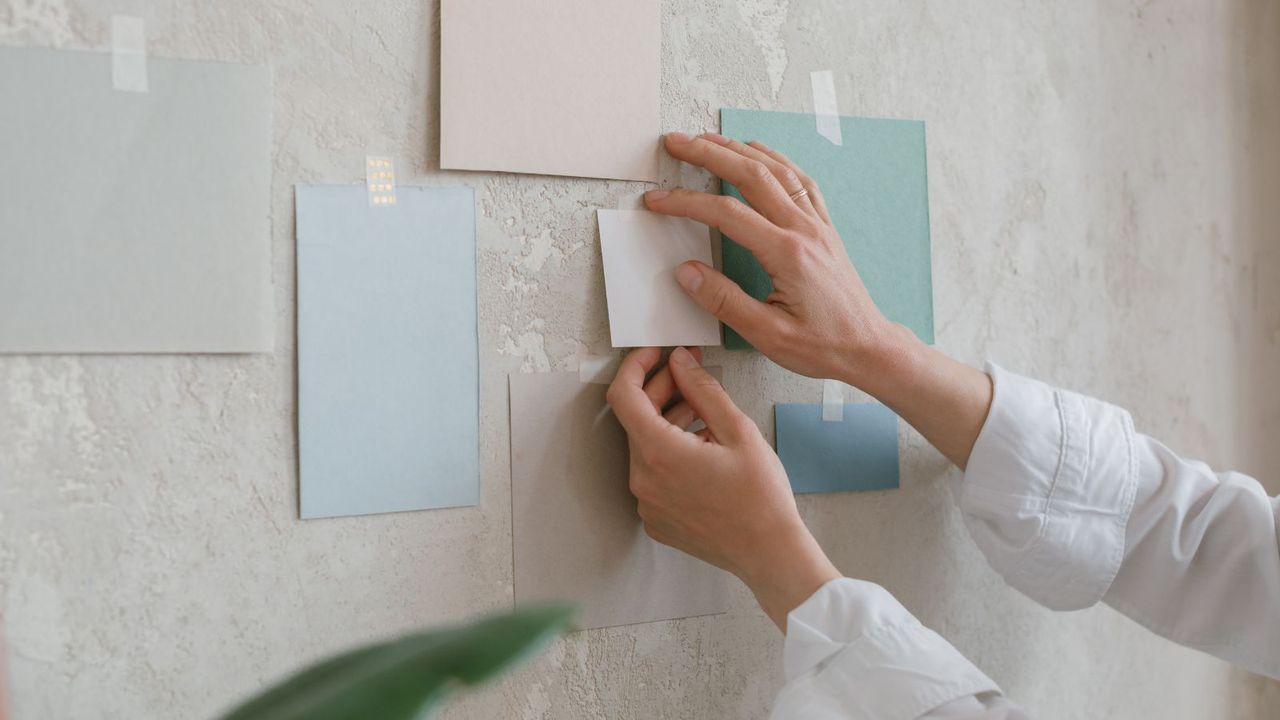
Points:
(568, 87)
(576, 533)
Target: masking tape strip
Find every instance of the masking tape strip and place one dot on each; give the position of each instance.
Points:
(129, 54)
(825, 111)
(832, 401)
(380, 180)
(598, 369)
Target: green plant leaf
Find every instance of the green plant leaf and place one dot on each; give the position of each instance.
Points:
(403, 679)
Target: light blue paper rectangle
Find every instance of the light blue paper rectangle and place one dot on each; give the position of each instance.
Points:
(859, 452)
(388, 415)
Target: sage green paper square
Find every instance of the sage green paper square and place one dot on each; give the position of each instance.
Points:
(876, 188)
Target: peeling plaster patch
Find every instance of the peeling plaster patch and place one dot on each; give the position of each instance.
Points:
(49, 407)
(765, 18)
(516, 284)
(538, 249)
(42, 21)
(528, 345)
(537, 702)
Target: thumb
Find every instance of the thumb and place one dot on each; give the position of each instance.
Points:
(722, 297)
(707, 398)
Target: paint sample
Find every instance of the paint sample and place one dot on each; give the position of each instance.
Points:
(133, 222)
(576, 534)
(647, 307)
(876, 189)
(388, 416)
(562, 88)
(857, 452)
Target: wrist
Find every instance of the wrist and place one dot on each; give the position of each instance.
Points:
(883, 361)
(787, 571)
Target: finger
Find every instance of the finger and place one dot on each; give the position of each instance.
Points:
(815, 194)
(704, 434)
(758, 186)
(722, 297)
(661, 388)
(728, 214)
(708, 398)
(626, 394)
(787, 175)
(681, 415)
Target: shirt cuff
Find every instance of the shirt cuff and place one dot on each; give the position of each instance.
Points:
(1048, 490)
(853, 651)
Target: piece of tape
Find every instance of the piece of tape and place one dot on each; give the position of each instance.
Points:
(129, 54)
(598, 369)
(832, 401)
(825, 110)
(380, 180)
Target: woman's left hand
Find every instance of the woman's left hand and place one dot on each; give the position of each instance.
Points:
(720, 494)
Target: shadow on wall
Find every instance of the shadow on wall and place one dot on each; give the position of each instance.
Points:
(1257, 178)
(1256, 91)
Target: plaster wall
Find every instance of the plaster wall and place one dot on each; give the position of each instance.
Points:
(1104, 181)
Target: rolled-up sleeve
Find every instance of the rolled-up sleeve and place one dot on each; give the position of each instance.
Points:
(1072, 506)
(1048, 490)
(853, 651)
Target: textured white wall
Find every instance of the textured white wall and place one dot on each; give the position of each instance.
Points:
(1104, 181)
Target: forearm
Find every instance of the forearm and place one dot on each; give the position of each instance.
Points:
(785, 572)
(945, 400)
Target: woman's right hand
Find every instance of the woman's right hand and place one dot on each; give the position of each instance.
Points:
(819, 320)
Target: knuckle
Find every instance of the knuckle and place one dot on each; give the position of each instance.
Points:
(727, 204)
(728, 210)
(743, 425)
(758, 172)
(642, 487)
(781, 335)
(653, 458)
(720, 300)
(791, 180)
(791, 244)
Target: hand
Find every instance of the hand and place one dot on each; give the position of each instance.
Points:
(720, 494)
(819, 321)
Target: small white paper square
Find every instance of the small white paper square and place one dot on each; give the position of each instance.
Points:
(647, 307)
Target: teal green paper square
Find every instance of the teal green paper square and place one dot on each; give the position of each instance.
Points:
(876, 188)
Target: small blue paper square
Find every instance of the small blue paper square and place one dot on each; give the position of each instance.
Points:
(859, 452)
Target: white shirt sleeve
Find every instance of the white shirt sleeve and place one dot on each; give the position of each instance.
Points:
(853, 652)
(1071, 506)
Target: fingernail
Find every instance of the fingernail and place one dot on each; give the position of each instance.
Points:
(716, 138)
(683, 358)
(689, 277)
(653, 195)
(679, 137)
